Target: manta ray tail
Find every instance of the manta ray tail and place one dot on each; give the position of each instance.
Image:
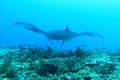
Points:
(29, 27)
(91, 34)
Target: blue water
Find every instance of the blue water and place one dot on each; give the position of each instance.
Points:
(101, 16)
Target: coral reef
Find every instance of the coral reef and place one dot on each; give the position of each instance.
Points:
(30, 62)
(6, 68)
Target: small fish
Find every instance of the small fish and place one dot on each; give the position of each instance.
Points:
(92, 65)
(84, 45)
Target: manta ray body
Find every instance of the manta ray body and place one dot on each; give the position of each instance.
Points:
(64, 35)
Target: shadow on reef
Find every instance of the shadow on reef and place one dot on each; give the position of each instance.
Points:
(51, 62)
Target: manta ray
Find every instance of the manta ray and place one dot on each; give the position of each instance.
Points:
(64, 35)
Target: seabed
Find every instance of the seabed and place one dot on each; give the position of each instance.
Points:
(34, 63)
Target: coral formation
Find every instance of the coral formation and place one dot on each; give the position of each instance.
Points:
(6, 68)
(30, 62)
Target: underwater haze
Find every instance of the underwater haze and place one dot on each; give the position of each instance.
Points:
(100, 16)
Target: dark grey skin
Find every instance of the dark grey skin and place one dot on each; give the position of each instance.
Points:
(64, 35)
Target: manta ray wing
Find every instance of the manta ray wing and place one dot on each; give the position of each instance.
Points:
(91, 34)
(29, 27)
